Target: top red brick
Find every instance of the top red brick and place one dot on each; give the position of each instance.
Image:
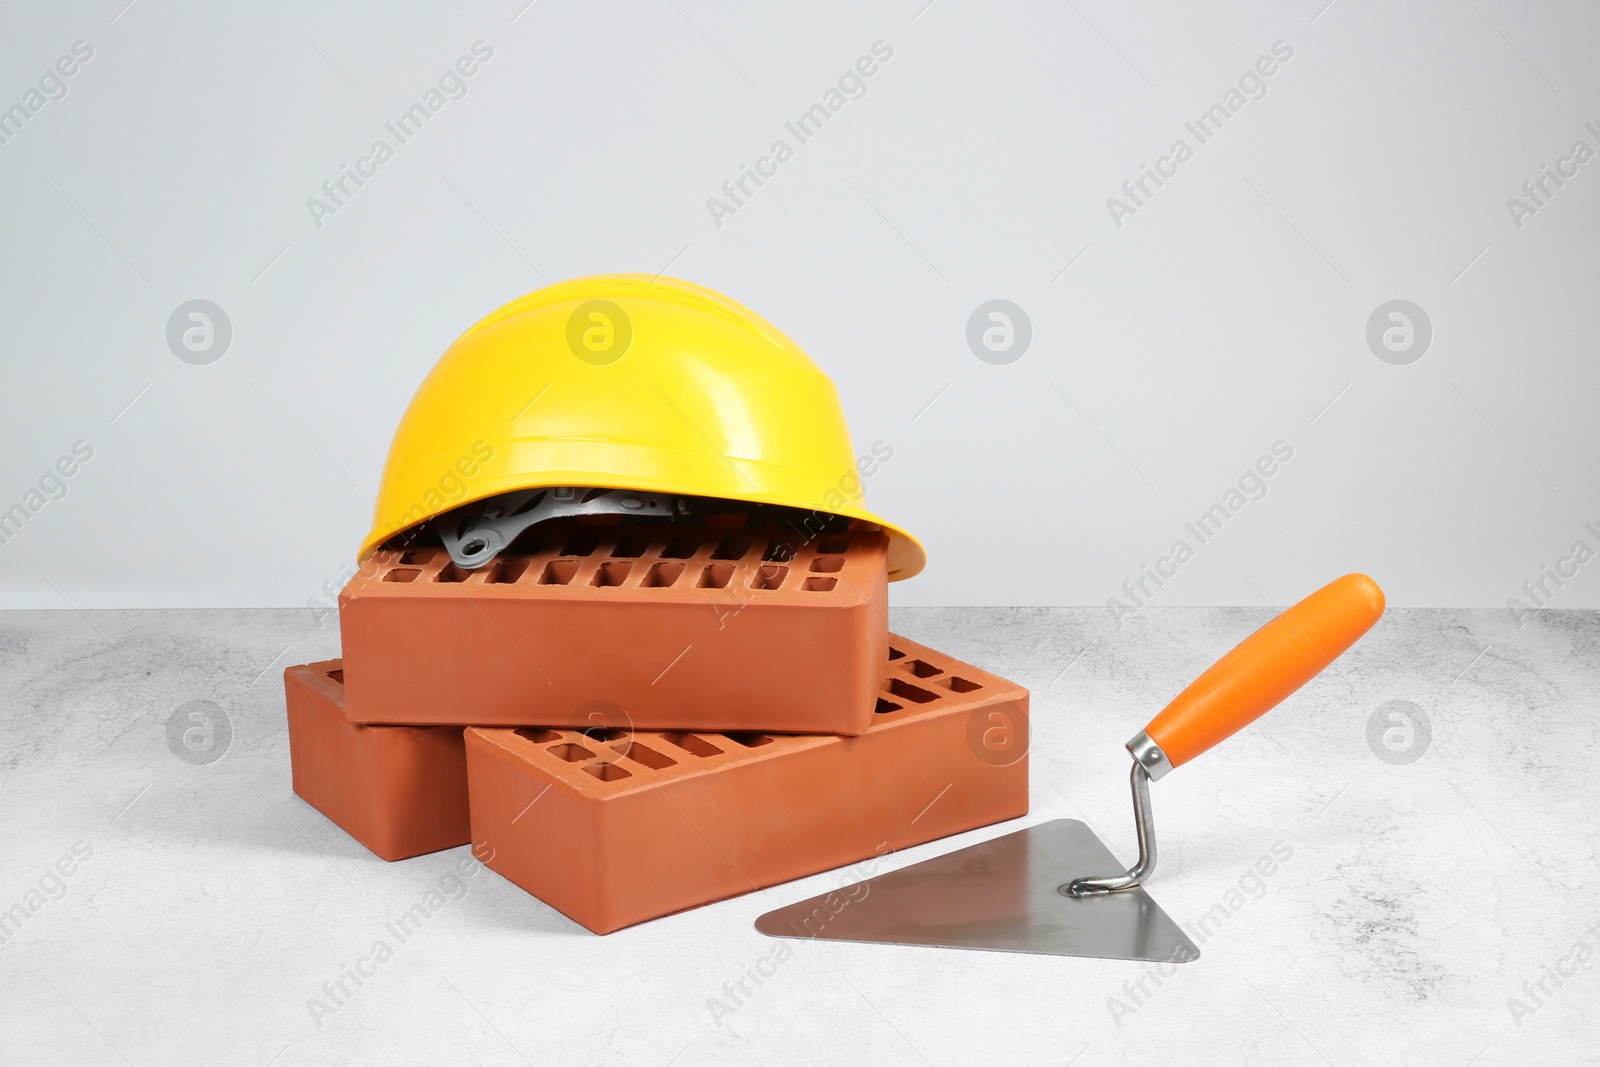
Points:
(626, 627)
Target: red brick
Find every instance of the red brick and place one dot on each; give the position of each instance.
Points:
(399, 790)
(648, 628)
(613, 828)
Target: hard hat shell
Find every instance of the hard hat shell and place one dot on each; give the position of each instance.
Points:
(662, 386)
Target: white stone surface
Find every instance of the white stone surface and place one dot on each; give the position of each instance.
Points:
(1418, 898)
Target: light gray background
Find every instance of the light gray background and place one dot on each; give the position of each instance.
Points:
(1229, 313)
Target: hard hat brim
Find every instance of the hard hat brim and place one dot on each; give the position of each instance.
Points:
(906, 554)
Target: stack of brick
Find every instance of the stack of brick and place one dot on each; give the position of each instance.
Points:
(628, 721)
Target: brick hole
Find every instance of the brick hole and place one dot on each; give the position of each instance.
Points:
(693, 744)
(416, 555)
(828, 564)
(895, 653)
(582, 543)
(662, 575)
(716, 576)
(337, 674)
(559, 572)
(571, 753)
(910, 692)
(778, 552)
(833, 547)
(647, 756)
(507, 571)
(451, 573)
(402, 574)
(611, 573)
(820, 585)
(631, 546)
(604, 733)
(731, 548)
(886, 706)
(606, 772)
(539, 737)
(681, 548)
(921, 668)
(750, 739)
(960, 685)
(769, 576)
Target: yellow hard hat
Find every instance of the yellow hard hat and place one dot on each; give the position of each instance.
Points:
(626, 382)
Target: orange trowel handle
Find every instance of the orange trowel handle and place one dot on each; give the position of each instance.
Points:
(1267, 666)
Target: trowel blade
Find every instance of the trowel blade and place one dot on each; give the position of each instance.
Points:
(998, 896)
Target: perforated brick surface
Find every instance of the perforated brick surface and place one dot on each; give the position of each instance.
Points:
(399, 790)
(650, 628)
(613, 827)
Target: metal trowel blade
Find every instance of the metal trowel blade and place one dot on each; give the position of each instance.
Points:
(997, 896)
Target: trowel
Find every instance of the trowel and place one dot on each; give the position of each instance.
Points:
(1055, 889)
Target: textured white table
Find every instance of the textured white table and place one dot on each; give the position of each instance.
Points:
(1419, 898)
